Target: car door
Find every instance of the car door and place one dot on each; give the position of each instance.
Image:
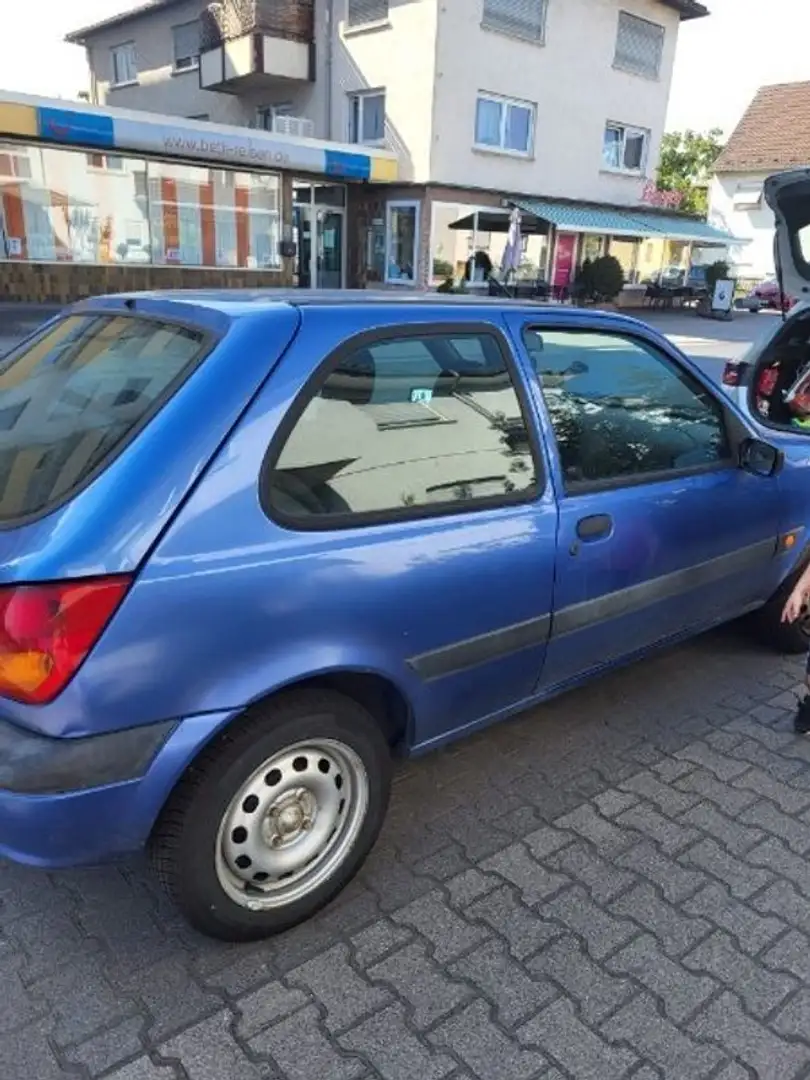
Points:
(661, 532)
(409, 479)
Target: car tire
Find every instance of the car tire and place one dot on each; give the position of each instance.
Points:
(789, 638)
(299, 789)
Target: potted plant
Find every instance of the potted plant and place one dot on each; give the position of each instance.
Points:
(606, 281)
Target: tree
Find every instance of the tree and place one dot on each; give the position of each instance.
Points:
(686, 166)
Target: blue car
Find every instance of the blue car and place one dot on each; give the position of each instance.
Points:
(254, 545)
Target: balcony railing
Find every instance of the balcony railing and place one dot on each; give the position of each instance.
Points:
(229, 20)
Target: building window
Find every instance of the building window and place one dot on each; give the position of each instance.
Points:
(519, 18)
(366, 12)
(367, 117)
(747, 197)
(401, 243)
(639, 46)
(623, 411)
(407, 425)
(88, 207)
(124, 66)
(186, 41)
(501, 124)
(625, 148)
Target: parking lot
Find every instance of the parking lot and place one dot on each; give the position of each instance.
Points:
(612, 886)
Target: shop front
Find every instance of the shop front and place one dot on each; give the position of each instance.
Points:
(103, 200)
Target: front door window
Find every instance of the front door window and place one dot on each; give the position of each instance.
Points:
(319, 226)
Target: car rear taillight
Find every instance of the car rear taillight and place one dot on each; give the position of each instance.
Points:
(46, 631)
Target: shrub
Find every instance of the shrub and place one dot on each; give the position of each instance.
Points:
(607, 278)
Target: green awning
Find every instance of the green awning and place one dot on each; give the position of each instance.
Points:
(582, 218)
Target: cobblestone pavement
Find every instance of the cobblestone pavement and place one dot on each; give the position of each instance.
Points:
(614, 885)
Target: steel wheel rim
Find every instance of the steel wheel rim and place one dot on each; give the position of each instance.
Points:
(291, 824)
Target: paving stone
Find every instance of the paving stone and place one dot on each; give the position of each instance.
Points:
(172, 997)
(776, 857)
(668, 799)
(464, 888)
(658, 1040)
(266, 1006)
(669, 835)
(614, 802)
(559, 1032)
(783, 900)
(675, 881)
(723, 767)
(675, 931)
(393, 1050)
(602, 932)
(25, 1052)
(476, 836)
(770, 1057)
(484, 1048)
(208, 1051)
(731, 801)
(50, 939)
(595, 991)
(377, 940)
(669, 770)
(590, 825)
(791, 953)
(793, 1020)
(504, 983)
(547, 840)
(129, 932)
(741, 878)
(81, 1001)
(680, 992)
(17, 1005)
(302, 1050)
(760, 990)
(346, 996)
(516, 865)
(787, 798)
(252, 967)
(142, 1069)
(751, 930)
(764, 815)
(736, 837)
(522, 929)
(602, 879)
(421, 982)
(450, 861)
(448, 932)
(108, 1049)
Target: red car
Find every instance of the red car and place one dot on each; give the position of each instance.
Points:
(766, 295)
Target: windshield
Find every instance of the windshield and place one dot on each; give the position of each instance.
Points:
(70, 397)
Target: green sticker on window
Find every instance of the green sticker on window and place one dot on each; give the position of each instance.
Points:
(421, 397)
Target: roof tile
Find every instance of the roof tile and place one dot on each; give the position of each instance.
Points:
(774, 132)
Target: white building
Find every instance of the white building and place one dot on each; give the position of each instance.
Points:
(774, 134)
(557, 106)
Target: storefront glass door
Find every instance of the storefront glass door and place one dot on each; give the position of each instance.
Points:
(319, 227)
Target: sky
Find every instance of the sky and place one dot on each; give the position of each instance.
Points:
(720, 61)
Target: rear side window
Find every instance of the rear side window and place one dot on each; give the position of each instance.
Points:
(70, 398)
(410, 424)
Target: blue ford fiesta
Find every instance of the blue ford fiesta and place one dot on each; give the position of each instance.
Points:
(252, 545)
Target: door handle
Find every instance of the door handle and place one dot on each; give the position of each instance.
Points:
(595, 527)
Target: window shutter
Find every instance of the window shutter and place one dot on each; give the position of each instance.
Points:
(639, 46)
(361, 12)
(523, 18)
(186, 41)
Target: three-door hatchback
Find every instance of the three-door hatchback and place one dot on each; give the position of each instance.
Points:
(254, 544)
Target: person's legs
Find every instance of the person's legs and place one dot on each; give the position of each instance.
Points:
(801, 723)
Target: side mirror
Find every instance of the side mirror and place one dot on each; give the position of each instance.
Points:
(760, 458)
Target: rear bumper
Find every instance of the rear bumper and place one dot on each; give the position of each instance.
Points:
(66, 802)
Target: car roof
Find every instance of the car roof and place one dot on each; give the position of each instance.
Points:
(239, 303)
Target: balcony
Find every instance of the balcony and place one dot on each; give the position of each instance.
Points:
(253, 44)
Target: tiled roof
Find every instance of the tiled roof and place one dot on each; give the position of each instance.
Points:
(773, 134)
(78, 37)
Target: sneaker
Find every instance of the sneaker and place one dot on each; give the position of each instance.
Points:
(801, 724)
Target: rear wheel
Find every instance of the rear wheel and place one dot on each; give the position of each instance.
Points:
(276, 817)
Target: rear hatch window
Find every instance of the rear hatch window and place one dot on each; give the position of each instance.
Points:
(71, 398)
